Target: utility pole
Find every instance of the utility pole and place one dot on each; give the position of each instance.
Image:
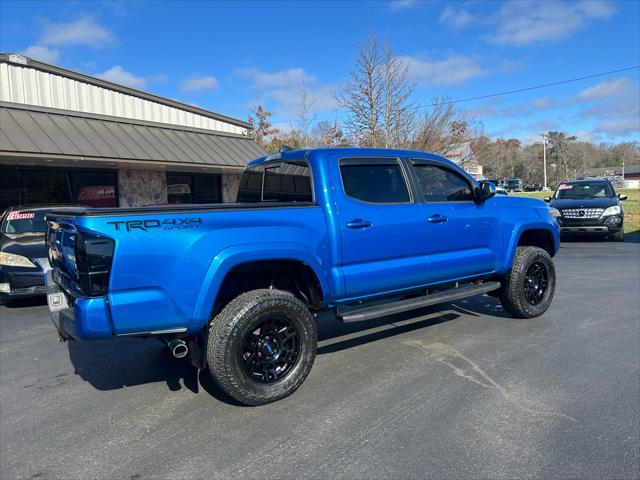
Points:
(544, 158)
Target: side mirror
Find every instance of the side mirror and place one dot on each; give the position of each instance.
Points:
(486, 190)
(547, 199)
(622, 196)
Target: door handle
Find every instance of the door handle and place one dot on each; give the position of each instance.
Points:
(437, 218)
(359, 223)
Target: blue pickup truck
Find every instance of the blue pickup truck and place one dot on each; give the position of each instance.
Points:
(362, 232)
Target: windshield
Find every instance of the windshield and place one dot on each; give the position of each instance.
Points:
(25, 221)
(584, 190)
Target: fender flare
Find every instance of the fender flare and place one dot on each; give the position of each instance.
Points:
(520, 227)
(229, 258)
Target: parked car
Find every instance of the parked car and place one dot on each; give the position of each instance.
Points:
(364, 233)
(514, 185)
(533, 187)
(23, 253)
(588, 207)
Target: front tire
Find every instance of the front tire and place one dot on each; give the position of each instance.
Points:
(261, 346)
(531, 283)
(618, 236)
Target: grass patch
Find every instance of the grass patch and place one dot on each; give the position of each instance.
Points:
(631, 206)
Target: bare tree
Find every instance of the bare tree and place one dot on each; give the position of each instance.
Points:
(377, 96)
(362, 94)
(434, 131)
(398, 110)
(303, 113)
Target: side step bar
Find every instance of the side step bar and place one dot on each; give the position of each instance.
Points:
(381, 310)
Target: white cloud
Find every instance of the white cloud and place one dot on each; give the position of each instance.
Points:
(284, 87)
(196, 84)
(84, 31)
(454, 70)
(117, 74)
(402, 4)
(456, 18)
(587, 136)
(44, 54)
(620, 127)
(283, 78)
(605, 89)
(529, 22)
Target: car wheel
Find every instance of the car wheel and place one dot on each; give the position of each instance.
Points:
(618, 236)
(261, 346)
(531, 283)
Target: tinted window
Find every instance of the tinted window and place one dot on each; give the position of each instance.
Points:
(9, 188)
(375, 182)
(45, 187)
(279, 182)
(183, 188)
(179, 188)
(207, 189)
(442, 185)
(95, 189)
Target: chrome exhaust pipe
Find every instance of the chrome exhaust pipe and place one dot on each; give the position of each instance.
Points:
(178, 348)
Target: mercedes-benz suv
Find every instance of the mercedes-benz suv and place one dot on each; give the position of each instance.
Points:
(588, 207)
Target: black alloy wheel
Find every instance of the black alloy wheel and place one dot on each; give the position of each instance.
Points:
(261, 346)
(536, 281)
(270, 350)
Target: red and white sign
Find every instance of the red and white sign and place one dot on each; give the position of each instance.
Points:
(16, 215)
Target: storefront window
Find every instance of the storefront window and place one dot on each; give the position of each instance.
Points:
(40, 186)
(179, 188)
(9, 188)
(28, 186)
(197, 188)
(208, 189)
(95, 189)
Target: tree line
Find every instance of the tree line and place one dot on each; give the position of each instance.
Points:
(381, 112)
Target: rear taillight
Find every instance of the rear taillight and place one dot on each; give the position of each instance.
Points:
(94, 254)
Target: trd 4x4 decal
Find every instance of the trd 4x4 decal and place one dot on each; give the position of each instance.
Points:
(154, 223)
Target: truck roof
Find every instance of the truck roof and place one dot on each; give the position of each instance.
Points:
(303, 153)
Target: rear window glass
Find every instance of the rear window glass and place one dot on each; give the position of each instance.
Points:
(375, 181)
(276, 182)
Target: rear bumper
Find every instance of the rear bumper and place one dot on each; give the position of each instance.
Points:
(79, 318)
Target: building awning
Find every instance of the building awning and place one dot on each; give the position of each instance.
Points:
(38, 132)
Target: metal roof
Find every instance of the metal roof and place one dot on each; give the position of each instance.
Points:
(21, 60)
(46, 132)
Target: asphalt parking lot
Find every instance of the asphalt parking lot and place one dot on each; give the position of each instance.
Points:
(457, 391)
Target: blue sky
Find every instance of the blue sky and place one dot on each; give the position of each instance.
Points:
(226, 56)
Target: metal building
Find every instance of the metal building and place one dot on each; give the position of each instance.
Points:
(66, 137)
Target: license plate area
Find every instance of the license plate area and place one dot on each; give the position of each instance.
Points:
(57, 299)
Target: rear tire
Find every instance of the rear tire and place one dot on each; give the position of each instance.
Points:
(261, 346)
(531, 283)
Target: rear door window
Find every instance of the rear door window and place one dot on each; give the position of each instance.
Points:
(374, 180)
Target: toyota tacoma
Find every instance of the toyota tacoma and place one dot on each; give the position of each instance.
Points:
(236, 287)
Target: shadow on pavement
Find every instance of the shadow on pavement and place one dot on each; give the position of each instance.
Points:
(124, 362)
